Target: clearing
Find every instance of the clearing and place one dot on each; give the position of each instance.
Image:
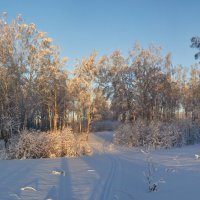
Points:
(111, 173)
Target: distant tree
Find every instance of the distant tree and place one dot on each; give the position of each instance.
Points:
(196, 44)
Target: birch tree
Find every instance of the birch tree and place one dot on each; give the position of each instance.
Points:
(83, 84)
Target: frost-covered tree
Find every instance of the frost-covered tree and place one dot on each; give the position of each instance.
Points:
(117, 81)
(140, 86)
(83, 88)
(32, 77)
(51, 83)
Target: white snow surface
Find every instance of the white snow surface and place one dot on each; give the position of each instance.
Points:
(111, 173)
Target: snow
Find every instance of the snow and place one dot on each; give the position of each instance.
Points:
(112, 172)
(28, 188)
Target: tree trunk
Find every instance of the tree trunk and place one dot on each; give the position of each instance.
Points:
(25, 121)
(49, 112)
(89, 121)
(80, 123)
(55, 117)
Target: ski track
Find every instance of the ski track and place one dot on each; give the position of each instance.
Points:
(107, 188)
(104, 186)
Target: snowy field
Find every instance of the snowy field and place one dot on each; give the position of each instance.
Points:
(111, 173)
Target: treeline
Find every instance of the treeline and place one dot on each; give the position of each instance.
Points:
(145, 85)
(37, 92)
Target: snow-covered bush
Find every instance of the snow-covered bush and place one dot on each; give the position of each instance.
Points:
(83, 147)
(29, 145)
(131, 135)
(62, 143)
(157, 134)
(171, 135)
(138, 134)
(123, 135)
(191, 131)
(153, 138)
(32, 144)
(3, 154)
(179, 133)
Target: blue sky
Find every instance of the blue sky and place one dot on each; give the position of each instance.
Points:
(80, 26)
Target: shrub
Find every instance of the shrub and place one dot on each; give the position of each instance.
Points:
(83, 147)
(157, 134)
(31, 144)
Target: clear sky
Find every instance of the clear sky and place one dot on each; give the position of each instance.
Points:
(79, 26)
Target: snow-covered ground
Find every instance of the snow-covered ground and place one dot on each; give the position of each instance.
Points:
(111, 173)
